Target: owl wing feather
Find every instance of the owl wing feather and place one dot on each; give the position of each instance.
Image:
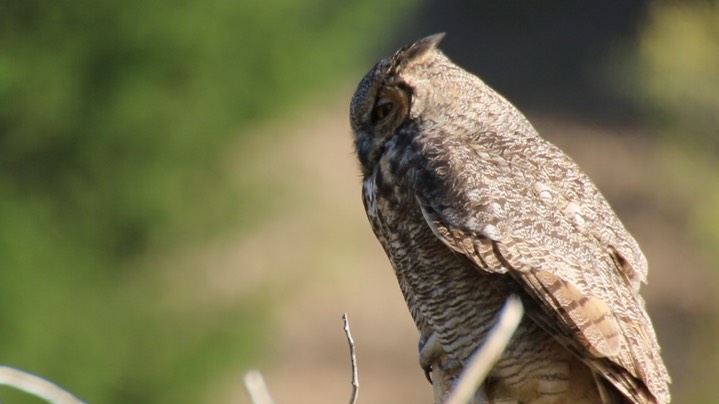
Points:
(482, 207)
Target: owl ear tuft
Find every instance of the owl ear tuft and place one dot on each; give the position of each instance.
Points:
(422, 46)
(413, 52)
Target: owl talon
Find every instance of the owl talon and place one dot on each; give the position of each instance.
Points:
(429, 350)
(428, 374)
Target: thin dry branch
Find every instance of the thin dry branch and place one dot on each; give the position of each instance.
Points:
(481, 362)
(36, 386)
(256, 388)
(462, 392)
(353, 358)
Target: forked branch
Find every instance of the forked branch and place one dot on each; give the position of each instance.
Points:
(462, 392)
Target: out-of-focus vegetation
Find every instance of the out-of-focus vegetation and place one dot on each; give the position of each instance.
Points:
(678, 70)
(676, 73)
(675, 79)
(117, 120)
(114, 117)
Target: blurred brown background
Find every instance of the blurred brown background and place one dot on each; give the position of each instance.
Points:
(180, 202)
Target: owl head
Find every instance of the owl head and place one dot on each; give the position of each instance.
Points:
(420, 91)
(384, 98)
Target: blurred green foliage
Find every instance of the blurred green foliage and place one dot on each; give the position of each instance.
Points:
(675, 74)
(676, 71)
(114, 120)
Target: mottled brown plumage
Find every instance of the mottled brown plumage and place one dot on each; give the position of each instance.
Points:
(471, 205)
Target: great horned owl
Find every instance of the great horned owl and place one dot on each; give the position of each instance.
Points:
(471, 205)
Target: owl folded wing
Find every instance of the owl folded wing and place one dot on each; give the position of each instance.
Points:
(577, 293)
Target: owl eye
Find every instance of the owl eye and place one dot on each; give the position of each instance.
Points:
(382, 110)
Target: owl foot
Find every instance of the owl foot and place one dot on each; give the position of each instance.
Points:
(430, 349)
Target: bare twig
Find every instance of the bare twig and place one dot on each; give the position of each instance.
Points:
(463, 391)
(256, 388)
(353, 357)
(36, 386)
(486, 355)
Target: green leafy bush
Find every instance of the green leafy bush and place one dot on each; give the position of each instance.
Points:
(114, 117)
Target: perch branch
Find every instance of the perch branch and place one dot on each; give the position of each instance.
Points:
(353, 358)
(256, 388)
(36, 386)
(486, 355)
